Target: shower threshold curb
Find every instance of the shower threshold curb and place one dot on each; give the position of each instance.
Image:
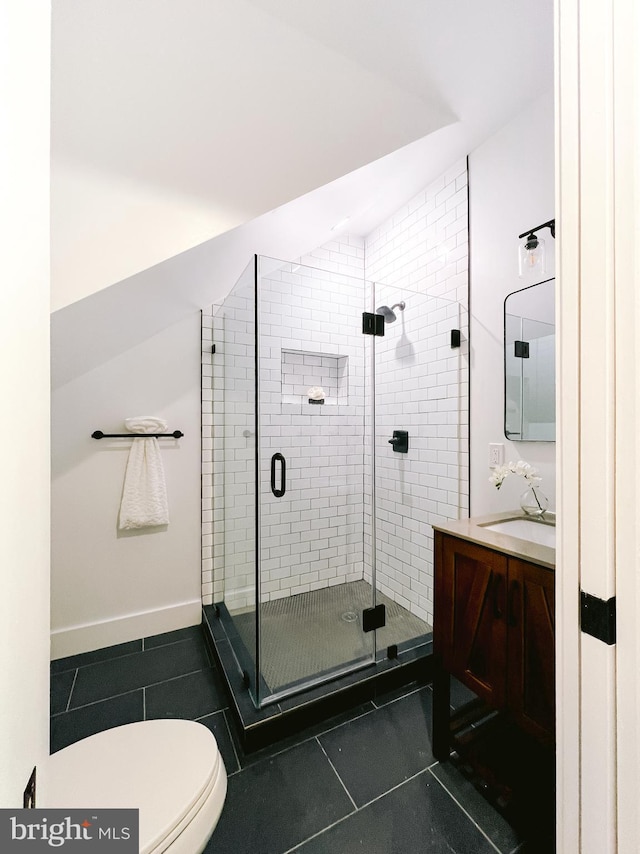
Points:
(262, 727)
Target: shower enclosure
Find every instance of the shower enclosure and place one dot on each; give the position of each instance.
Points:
(336, 442)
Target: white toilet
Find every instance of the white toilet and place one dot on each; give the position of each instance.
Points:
(171, 770)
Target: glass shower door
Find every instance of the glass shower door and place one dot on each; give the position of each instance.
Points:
(235, 490)
(420, 452)
(315, 575)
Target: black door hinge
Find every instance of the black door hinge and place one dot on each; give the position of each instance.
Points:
(29, 794)
(372, 324)
(598, 617)
(521, 349)
(455, 338)
(374, 618)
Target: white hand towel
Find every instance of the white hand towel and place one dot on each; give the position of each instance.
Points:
(144, 496)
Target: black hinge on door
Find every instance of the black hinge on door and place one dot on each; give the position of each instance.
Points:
(374, 618)
(455, 338)
(372, 324)
(29, 794)
(598, 617)
(521, 349)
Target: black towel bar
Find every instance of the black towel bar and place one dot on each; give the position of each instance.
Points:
(98, 434)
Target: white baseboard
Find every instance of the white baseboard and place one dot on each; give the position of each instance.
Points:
(85, 638)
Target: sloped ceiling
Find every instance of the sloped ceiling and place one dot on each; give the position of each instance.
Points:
(190, 134)
(480, 58)
(174, 121)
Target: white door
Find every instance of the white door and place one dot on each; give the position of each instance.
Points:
(599, 421)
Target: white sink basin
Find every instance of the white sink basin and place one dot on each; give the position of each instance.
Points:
(527, 529)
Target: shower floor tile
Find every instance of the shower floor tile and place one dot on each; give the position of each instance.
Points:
(305, 706)
(314, 633)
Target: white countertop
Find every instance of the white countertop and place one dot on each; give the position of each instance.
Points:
(474, 531)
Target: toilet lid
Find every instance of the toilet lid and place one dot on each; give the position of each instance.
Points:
(163, 768)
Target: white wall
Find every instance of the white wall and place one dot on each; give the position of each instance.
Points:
(110, 586)
(24, 379)
(511, 189)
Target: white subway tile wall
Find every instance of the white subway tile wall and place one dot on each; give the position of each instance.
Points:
(311, 335)
(420, 256)
(417, 391)
(319, 533)
(303, 371)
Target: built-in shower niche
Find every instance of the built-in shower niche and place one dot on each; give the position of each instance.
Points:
(301, 370)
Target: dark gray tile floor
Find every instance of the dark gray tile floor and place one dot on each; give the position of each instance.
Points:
(365, 780)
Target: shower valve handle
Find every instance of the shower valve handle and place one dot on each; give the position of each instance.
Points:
(400, 441)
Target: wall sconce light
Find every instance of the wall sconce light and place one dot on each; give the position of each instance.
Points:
(531, 254)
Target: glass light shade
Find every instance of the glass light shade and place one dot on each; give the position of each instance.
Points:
(531, 257)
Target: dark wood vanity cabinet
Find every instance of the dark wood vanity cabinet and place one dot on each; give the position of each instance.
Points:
(531, 648)
(494, 631)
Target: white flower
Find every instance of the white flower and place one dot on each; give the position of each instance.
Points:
(522, 468)
(498, 475)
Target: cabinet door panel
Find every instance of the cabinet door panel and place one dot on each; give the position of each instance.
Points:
(531, 643)
(470, 630)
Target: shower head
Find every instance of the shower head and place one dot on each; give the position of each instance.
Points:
(388, 313)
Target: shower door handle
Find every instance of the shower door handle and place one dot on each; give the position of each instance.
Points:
(283, 475)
